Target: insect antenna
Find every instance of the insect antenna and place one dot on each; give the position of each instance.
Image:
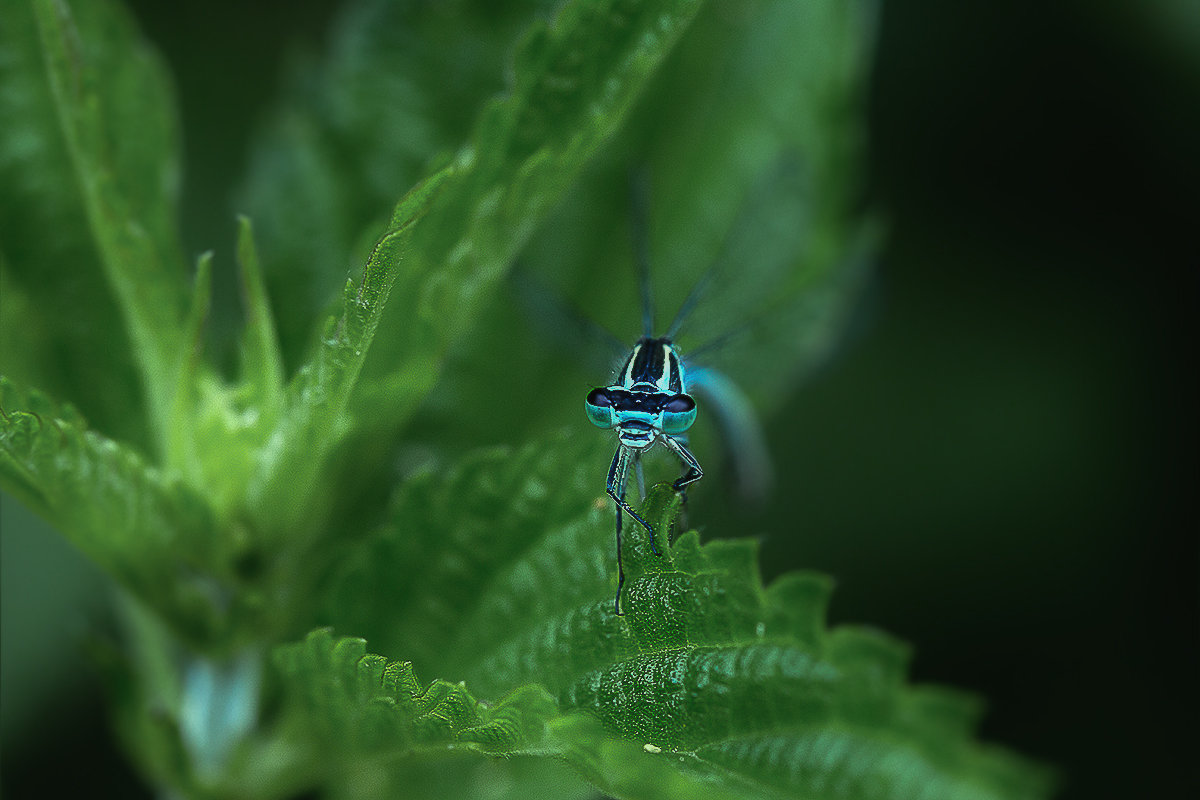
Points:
(639, 204)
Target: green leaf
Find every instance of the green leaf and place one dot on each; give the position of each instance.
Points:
(60, 327)
(181, 448)
(363, 713)
(497, 572)
(115, 115)
(400, 84)
(146, 528)
(368, 704)
(262, 362)
(574, 80)
(750, 137)
(449, 533)
(733, 685)
(359, 713)
(314, 418)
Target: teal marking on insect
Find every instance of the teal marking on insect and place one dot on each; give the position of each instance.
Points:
(647, 405)
(648, 402)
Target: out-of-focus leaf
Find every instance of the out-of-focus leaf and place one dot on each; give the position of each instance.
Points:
(573, 81)
(262, 362)
(400, 84)
(60, 327)
(147, 529)
(751, 138)
(104, 96)
(450, 533)
(282, 492)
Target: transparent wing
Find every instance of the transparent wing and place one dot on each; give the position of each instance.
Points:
(564, 329)
(762, 246)
(776, 298)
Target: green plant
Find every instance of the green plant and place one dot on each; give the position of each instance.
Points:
(244, 511)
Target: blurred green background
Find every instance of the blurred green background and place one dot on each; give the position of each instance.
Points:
(997, 465)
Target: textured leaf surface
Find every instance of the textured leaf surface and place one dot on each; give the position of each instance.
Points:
(61, 325)
(146, 528)
(494, 574)
(574, 79)
(454, 235)
(400, 84)
(370, 717)
(366, 714)
(738, 686)
(366, 703)
(116, 120)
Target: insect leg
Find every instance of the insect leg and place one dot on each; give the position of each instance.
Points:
(620, 566)
(618, 474)
(616, 490)
(692, 472)
(641, 477)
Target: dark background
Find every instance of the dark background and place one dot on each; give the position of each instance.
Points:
(999, 466)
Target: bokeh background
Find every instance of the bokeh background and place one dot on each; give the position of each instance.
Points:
(999, 466)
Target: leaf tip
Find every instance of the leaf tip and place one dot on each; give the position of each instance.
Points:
(798, 602)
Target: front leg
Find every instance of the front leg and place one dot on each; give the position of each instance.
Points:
(691, 474)
(692, 471)
(618, 474)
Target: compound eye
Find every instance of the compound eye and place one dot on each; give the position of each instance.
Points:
(599, 397)
(679, 404)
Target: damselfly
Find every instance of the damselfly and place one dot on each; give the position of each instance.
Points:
(650, 402)
(647, 405)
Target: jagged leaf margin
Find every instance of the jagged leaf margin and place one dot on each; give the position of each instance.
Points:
(368, 704)
(733, 683)
(355, 705)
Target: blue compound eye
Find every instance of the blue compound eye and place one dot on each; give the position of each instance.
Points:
(599, 398)
(599, 407)
(679, 404)
(678, 413)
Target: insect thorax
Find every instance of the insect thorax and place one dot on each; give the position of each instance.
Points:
(653, 365)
